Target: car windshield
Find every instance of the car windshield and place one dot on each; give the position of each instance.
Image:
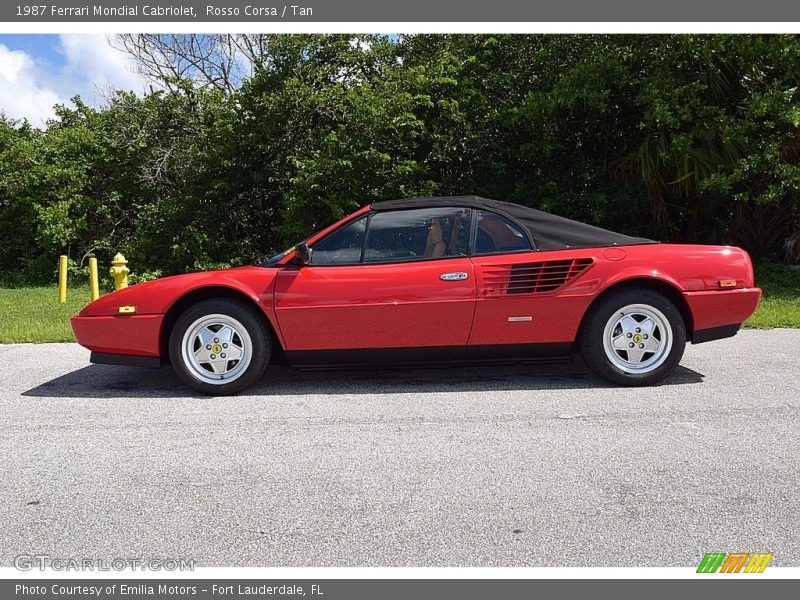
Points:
(274, 260)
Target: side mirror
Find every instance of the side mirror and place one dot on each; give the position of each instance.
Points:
(302, 254)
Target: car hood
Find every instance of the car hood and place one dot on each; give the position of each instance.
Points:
(156, 296)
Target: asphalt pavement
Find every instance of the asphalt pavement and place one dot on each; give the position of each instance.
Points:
(489, 466)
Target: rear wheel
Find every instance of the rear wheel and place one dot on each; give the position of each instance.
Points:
(633, 337)
(220, 346)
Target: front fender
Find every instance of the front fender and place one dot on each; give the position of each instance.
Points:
(130, 321)
(158, 296)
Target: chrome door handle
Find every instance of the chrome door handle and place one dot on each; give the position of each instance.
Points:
(455, 276)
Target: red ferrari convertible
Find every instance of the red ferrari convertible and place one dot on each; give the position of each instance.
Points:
(449, 279)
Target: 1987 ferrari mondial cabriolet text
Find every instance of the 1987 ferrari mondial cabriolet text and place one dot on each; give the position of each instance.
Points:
(425, 280)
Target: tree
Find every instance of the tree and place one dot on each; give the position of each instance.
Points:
(249, 143)
(221, 61)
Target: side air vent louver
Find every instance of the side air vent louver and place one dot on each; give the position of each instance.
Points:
(531, 278)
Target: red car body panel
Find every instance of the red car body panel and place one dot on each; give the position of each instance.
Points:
(558, 314)
(712, 309)
(375, 306)
(136, 335)
(554, 316)
(100, 328)
(157, 296)
(407, 305)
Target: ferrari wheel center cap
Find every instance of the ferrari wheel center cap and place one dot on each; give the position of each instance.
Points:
(216, 349)
(637, 339)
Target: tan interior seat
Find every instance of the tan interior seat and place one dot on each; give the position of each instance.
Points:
(501, 235)
(435, 246)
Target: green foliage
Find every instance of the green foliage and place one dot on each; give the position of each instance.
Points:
(685, 138)
(780, 304)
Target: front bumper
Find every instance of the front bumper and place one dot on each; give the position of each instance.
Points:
(719, 313)
(131, 335)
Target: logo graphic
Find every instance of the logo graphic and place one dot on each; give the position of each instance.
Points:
(734, 562)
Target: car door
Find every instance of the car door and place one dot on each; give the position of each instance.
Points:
(391, 279)
(518, 302)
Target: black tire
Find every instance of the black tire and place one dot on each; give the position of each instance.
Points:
(260, 341)
(591, 336)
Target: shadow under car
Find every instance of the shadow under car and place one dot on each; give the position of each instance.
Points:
(106, 381)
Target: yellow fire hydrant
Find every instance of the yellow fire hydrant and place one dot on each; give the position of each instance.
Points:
(119, 271)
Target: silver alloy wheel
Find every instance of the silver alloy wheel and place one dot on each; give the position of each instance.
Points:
(637, 338)
(216, 349)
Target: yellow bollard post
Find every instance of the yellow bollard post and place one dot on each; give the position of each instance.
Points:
(62, 279)
(119, 271)
(94, 280)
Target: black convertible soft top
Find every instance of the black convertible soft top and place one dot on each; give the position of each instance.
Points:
(546, 231)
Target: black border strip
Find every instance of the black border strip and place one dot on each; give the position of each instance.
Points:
(429, 356)
(715, 333)
(127, 360)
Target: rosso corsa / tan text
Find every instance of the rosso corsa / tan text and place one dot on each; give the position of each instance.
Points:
(288, 10)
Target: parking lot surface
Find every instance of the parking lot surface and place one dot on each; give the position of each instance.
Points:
(489, 466)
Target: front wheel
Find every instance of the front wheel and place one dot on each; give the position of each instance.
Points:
(220, 347)
(633, 337)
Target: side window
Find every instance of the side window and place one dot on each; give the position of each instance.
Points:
(342, 247)
(497, 235)
(417, 234)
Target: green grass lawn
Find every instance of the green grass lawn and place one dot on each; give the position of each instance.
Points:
(34, 314)
(780, 304)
